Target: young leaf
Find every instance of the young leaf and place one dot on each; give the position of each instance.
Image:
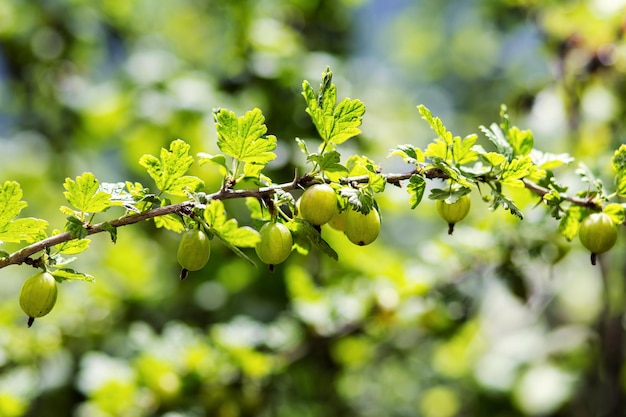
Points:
(409, 153)
(168, 171)
(85, 194)
(334, 124)
(10, 202)
(28, 230)
(170, 222)
(215, 214)
(111, 230)
(72, 247)
(462, 149)
(436, 124)
(568, 226)
(514, 171)
(76, 227)
(302, 229)
(522, 142)
(218, 159)
(616, 212)
(67, 274)
(329, 163)
(245, 139)
(416, 187)
(243, 237)
(619, 164)
(496, 136)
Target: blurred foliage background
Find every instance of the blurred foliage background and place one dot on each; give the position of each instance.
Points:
(505, 318)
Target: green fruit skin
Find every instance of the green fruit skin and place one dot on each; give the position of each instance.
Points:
(194, 250)
(454, 212)
(38, 295)
(275, 244)
(318, 204)
(598, 233)
(338, 221)
(362, 229)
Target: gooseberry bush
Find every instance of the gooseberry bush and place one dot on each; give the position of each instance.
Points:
(336, 189)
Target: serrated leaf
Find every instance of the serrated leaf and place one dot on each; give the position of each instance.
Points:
(329, 162)
(256, 209)
(335, 125)
(437, 149)
(301, 228)
(59, 261)
(76, 227)
(106, 226)
(514, 171)
(72, 247)
(168, 171)
(547, 160)
(244, 138)
(408, 153)
(171, 222)
(522, 141)
(27, 230)
(218, 159)
(243, 237)
(67, 274)
(436, 125)
(215, 214)
(462, 149)
(616, 212)
(84, 194)
(507, 203)
(496, 136)
(359, 199)
(619, 160)
(10, 201)
(493, 158)
(621, 186)
(416, 188)
(570, 222)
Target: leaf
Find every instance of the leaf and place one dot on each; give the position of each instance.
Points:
(329, 163)
(168, 171)
(257, 211)
(302, 229)
(514, 171)
(522, 142)
(72, 247)
(616, 212)
(619, 160)
(335, 125)
(496, 136)
(408, 153)
(171, 222)
(10, 202)
(621, 186)
(416, 187)
(244, 138)
(360, 200)
(508, 204)
(76, 227)
(436, 125)
(570, 222)
(85, 194)
(67, 274)
(218, 159)
(106, 226)
(462, 149)
(437, 149)
(215, 214)
(493, 158)
(27, 230)
(234, 248)
(547, 160)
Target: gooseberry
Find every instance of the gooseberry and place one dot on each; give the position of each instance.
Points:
(318, 204)
(597, 233)
(38, 295)
(362, 229)
(275, 244)
(454, 212)
(194, 250)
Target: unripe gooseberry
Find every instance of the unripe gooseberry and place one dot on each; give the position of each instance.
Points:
(194, 250)
(275, 244)
(362, 229)
(453, 213)
(597, 233)
(38, 295)
(318, 204)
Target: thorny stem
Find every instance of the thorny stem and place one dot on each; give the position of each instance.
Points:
(23, 255)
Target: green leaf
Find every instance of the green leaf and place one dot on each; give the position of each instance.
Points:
(106, 226)
(547, 160)
(409, 153)
(215, 214)
(616, 212)
(436, 125)
(171, 222)
(514, 171)
(243, 237)
(335, 125)
(218, 159)
(462, 149)
(85, 194)
(245, 139)
(302, 229)
(493, 158)
(257, 211)
(619, 160)
(496, 136)
(27, 230)
(416, 187)
(621, 186)
(437, 149)
(168, 171)
(75, 226)
(10, 202)
(361, 165)
(522, 142)
(67, 274)
(570, 222)
(329, 163)
(360, 199)
(72, 247)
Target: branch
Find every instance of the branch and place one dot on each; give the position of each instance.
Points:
(23, 255)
